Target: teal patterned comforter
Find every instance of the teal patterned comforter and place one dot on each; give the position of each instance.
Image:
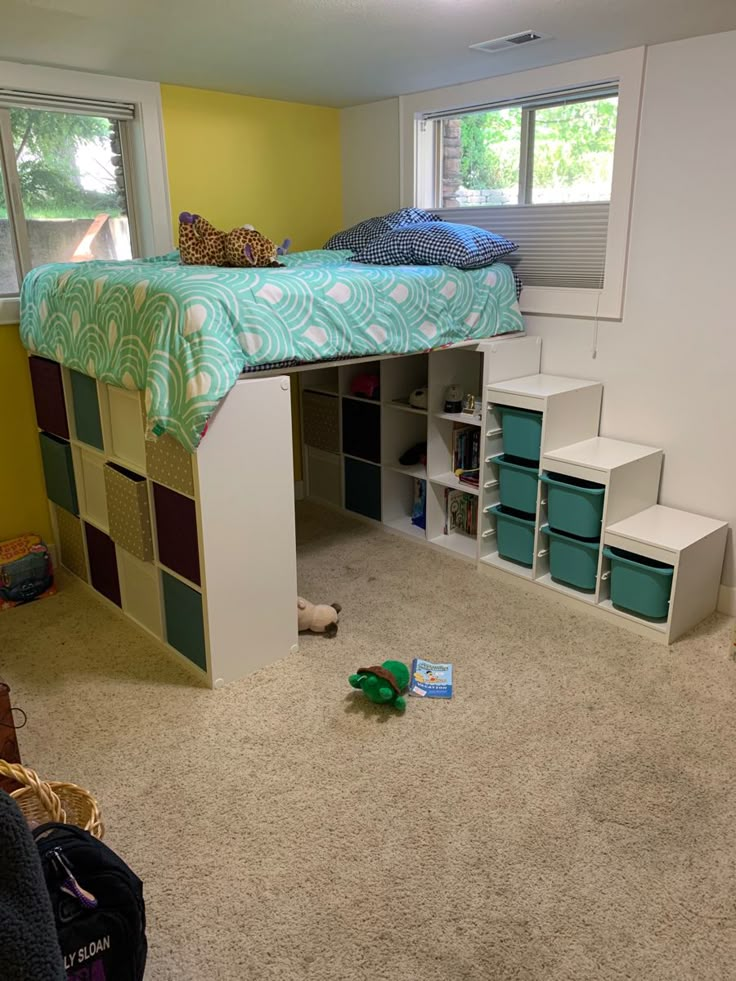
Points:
(183, 334)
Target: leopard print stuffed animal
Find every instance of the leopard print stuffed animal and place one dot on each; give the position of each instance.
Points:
(200, 244)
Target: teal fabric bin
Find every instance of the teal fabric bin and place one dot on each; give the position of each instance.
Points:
(58, 469)
(574, 506)
(517, 484)
(86, 409)
(522, 432)
(184, 619)
(640, 585)
(515, 536)
(572, 561)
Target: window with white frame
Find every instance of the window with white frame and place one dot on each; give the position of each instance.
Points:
(545, 157)
(536, 170)
(82, 172)
(64, 195)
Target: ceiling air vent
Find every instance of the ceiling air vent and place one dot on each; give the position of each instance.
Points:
(509, 42)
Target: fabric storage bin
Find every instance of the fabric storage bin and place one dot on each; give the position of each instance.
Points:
(515, 536)
(522, 432)
(517, 484)
(103, 563)
(572, 561)
(128, 514)
(363, 488)
(184, 620)
(86, 409)
(574, 506)
(321, 421)
(361, 429)
(58, 469)
(639, 585)
(71, 543)
(168, 463)
(176, 532)
(48, 396)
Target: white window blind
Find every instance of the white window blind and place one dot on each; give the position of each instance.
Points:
(559, 244)
(19, 99)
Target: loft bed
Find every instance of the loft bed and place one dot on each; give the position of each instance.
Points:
(163, 397)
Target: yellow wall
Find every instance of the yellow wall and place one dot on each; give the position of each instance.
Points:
(23, 504)
(238, 160)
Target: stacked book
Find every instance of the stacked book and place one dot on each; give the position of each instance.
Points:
(461, 512)
(466, 454)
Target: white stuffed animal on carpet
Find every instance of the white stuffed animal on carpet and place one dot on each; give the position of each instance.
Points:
(319, 618)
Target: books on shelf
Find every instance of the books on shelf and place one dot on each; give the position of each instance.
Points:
(466, 454)
(461, 512)
(430, 680)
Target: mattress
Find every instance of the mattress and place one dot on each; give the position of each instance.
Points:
(183, 334)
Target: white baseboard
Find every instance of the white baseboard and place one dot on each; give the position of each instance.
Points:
(54, 553)
(298, 490)
(727, 600)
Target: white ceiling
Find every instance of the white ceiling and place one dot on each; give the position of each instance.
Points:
(334, 52)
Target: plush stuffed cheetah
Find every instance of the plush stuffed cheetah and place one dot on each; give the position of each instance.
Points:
(202, 245)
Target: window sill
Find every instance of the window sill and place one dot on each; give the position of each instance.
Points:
(551, 301)
(9, 311)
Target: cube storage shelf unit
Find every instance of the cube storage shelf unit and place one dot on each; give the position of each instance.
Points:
(198, 550)
(352, 445)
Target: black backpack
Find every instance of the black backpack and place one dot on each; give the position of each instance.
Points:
(98, 905)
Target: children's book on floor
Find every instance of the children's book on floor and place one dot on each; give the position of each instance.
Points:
(430, 680)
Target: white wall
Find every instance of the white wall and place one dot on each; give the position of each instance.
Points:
(669, 368)
(371, 168)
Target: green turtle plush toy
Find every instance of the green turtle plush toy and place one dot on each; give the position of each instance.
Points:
(384, 683)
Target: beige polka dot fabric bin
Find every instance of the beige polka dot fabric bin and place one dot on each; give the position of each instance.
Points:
(168, 463)
(321, 421)
(129, 516)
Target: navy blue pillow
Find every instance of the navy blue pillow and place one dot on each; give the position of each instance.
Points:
(435, 243)
(359, 236)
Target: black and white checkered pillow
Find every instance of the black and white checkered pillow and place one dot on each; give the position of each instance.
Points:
(365, 232)
(434, 243)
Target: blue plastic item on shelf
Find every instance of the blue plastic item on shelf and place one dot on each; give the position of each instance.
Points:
(639, 585)
(515, 536)
(522, 432)
(518, 482)
(572, 561)
(574, 506)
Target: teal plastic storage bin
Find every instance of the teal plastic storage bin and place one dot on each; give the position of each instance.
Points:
(639, 585)
(574, 506)
(517, 484)
(515, 536)
(522, 432)
(572, 561)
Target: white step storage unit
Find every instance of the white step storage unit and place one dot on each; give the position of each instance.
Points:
(692, 544)
(630, 474)
(570, 410)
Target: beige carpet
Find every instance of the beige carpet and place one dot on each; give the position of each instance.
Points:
(570, 814)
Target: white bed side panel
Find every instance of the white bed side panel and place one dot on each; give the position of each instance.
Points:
(247, 534)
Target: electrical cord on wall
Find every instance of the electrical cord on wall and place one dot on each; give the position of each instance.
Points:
(594, 350)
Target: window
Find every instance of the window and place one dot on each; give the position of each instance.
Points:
(82, 172)
(508, 162)
(545, 157)
(64, 174)
(558, 152)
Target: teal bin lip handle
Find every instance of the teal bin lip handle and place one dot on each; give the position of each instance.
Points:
(548, 479)
(665, 570)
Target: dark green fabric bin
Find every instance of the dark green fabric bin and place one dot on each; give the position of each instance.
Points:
(184, 619)
(522, 432)
(640, 585)
(86, 409)
(58, 470)
(518, 482)
(515, 536)
(574, 506)
(572, 561)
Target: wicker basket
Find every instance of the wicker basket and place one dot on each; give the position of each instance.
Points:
(65, 802)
